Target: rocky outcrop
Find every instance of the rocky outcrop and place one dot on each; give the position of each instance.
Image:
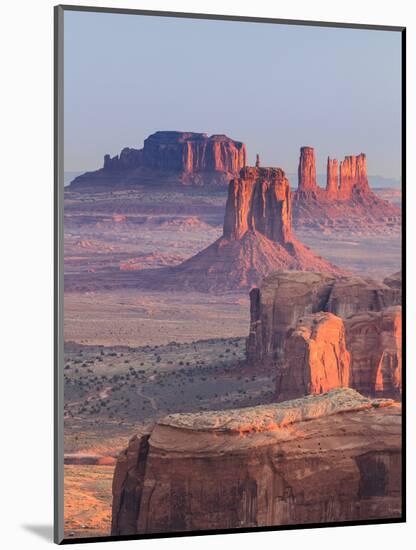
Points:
(171, 157)
(375, 342)
(282, 322)
(307, 171)
(346, 204)
(275, 307)
(257, 240)
(317, 359)
(297, 462)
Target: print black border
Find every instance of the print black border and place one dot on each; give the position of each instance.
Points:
(58, 268)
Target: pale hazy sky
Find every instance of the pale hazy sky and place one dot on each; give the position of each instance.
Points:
(274, 87)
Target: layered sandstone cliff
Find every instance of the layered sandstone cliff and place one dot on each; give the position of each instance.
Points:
(316, 357)
(374, 339)
(346, 204)
(291, 330)
(171, 157)
(257, 239)
(298, 462)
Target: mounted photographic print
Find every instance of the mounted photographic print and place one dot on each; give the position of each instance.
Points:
(228, 278)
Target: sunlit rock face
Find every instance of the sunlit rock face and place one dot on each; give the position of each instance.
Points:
(307, 171)
(259, 200)
(326, 458)
(349, 182)
(332, 178)
(316, 355)
(289, 314)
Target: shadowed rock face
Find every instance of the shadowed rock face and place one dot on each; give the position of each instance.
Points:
(171, 157)
(375, 342)
(284, 318)
(296, 462)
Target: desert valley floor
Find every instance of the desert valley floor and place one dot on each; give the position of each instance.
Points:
(134, 355)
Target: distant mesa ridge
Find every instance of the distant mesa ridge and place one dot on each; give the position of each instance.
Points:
(347, 203)
(187, 158)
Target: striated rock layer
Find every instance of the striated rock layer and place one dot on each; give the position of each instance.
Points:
(257, 240)
(170, 157)
(298, 462)
(347, 202)
(319, 332)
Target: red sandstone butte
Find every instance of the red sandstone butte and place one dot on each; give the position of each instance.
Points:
(169, 157)
(259, 200)
(324, 458)
(257, 240)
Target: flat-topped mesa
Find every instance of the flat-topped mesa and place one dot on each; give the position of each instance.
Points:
(192, 152)
(307, 171)
(171, 156)
(259, 200)
(353, 180)
(332, 179)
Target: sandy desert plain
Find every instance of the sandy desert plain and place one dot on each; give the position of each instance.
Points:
(132, 355)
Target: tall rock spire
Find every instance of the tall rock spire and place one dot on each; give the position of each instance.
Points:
(332, 178)
(307, 170)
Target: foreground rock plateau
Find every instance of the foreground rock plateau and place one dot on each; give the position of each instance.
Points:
(320, 332)
(327, 458)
